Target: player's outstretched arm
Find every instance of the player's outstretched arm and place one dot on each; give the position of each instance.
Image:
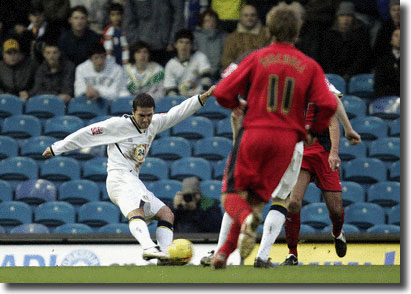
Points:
(204, 97)
(350, 133)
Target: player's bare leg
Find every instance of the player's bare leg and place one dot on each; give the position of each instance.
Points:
(336, 210)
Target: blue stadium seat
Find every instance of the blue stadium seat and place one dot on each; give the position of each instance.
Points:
(98, 119)
(386, 107)
(386, 149)
(213, 110)
(352, 192)
(21, 126)
(385, 194)
(6, 191)
(10, 105)
(171, 148)
(194, 127)
(370, 127)
(98, 213)
(18, 169)
(338, 82)
(349, 152)
(74, 228)
(361, 85)
(152, 227)
(307, 229)
(347, 228)
(354, 106)
(315, 215)
(165, 133)
(165, 188)
(365, 170)
(385, 228)
(190, 166)
(79, 192)
(86, 108)
(61, 126)
(30, 229)
(395, 171)
(394, 215)
(95, 169)
(60, 169)
(154, 169)
(122, 105)
(35, 146)
(211, 188)
(115, 229)
(45, 106)
(37, 191)
(55, 213)
(218, 169)
(8, 147)
(166, 103)
(13, 213)
(213, 148)
(224, 128)
(2, 230)
(395, 128)
(312, 194)
(364, 215)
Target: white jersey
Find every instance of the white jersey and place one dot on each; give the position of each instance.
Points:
(128, 145)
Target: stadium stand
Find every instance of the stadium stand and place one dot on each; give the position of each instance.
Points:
(74, 228)
(312, 194)
(18, 169)
(35, 146)
(370, 127)
(122, 105)
(2, 230)
(190, 166)
(385, 107)
(166, 103)
(14, 213)
(338, 82)
(211, 188)
(394, 215)
(364, 215)
(395, 128)
(384, 228)
(10, 105)
(213, 148)
(95, 169)
(78, 192)
(154, 169)
(395, 171)
(223, 128)
(348, 228)
(166, 188)
(115, 229)
(55, 213)
(352, 192)
(98, 213)
(170, 148)
(45, 106)
(86, 108)
(365, 170)
(6, 191)
(36, 191)
(354, 106)
(194, 128)
(386, 194)
(21, 126)
(361, 85)
(349, 152)
(218, 169)
(8, 147)
(61, 126)
(213, 110)
(60, 169)
(315, 215)
(30, 229)
(386, 149)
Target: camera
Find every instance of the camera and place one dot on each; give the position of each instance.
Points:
(188, 197)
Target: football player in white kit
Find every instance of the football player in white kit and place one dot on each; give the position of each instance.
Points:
(129, 139)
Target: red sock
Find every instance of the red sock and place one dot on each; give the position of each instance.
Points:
(237, 207)
(338, 223)
(231, 242)
(292, 229)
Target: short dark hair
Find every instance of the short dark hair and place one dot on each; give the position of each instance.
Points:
(79, 8)
(137, 46)
(116, 7)
(184, 34)
(51, 43)
(209, 12)
(143, 100)
(96, 48)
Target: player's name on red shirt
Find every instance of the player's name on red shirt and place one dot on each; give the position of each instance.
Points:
(283, 59)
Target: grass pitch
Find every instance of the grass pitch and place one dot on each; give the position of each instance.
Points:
(197, 274)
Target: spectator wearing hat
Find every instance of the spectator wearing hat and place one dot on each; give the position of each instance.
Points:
(16, 71)
(346, 47)
(194, 212)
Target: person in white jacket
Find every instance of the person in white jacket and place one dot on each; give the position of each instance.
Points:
(100, 76)
(129, 139)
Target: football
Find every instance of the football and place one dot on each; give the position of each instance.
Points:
(180, 251)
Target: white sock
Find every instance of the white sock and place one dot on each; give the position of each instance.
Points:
(225, 228)
(272, 227)
(139, 230)
(164, 237)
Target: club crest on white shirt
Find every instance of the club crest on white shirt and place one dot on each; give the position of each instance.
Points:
(140, 152)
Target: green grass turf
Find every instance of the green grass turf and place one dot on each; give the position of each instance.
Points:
(198, 274)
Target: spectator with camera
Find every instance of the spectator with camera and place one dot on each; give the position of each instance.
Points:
(194, 212)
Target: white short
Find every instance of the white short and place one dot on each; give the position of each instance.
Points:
(290, 176)
(126, 191)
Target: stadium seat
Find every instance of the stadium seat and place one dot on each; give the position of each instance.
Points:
(2, 230)
(394, 215)
(10, 105)
(211, 189)
(315, 215)
(114, 229)
(384, 228)
(194, 127)
(170, 148)
(364, 215)
(365, 170)
(35, 192)
(152, 227)
(386, 149)
(86, 108)
(122, 105)
(21, 126)
(55, 213)
(18, 168)
(6, 191)
(190, 166)
(370, 127)
(395, 128)
(165, 188)
(385, 194)
(213, 148)
(98, 119)
(224, 128)
(306, 229)
(354, 106)
(218, 169)
(61, 126)
(163, 134)
(45, 106)
(213, 110)
(352, 192)
(13, 213)
(361, 85)
(312, 194)
(78, 192)
(338, 82)
(95, 169)
(60, 169)
(166, 103)
(35, 146)
(395, 171)
(98, 213)
(154, 169)
(74, 228)
(30, 229)
(8, 147)
(349, 152)
(385, 107)
(347, 228)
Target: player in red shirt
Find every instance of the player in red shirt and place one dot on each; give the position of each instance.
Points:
(278, 81)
